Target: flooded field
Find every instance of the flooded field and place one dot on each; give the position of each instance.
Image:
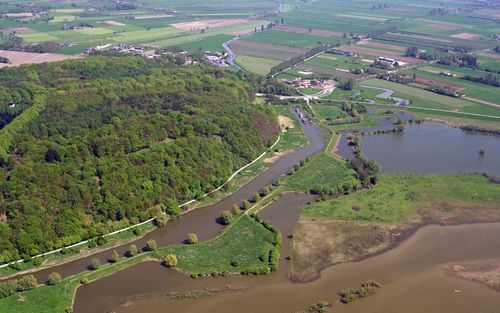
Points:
(429, 147)
(434, 148)
(415, 276)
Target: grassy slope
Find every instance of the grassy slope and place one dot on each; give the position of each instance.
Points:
(398, 196)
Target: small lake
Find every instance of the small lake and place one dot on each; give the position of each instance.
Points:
(432, 147)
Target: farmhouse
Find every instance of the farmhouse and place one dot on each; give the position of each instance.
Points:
(386, 63)
(216, 58)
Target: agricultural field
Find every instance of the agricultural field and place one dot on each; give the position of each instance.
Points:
(298, 40)
(427, 99)
(470, 89)
(265, 50)
(256, 65)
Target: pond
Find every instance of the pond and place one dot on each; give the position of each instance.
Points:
(432, 147)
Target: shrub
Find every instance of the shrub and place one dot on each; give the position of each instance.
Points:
(170, 260)
(161, 220)
(26, 282)
(256, 197)
(226, 218)
(151, 245)
(8, 288)
(37, 261)
(84, 281)
(138, 231)
(264, 270)
(235, 209)
(246, 205)
(96, 263)
(192, 238)
(115, 257)
(132, 250)
(102, 241)
(54, 278)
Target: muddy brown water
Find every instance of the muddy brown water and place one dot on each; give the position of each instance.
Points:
(415, 277)
(153, 280)
(202, 221)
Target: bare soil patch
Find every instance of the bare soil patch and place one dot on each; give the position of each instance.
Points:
(202, 24)
(17, 30)
(444, 26)
(495, 56)
(276, 156)
(18, 57)
(369, 43)
(112, 23)
(317, 32)
(285, 123)
(486, 273)
(319, 244)
(465, 36)
(439, 83)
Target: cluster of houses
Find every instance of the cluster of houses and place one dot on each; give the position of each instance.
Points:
(216, 58)
(76, 27)
(128, 49)
(310, 83)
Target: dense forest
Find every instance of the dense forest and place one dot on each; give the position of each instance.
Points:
(98, 143)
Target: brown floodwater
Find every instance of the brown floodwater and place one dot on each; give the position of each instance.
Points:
(415, 277)
(152, 279)
(202, 221)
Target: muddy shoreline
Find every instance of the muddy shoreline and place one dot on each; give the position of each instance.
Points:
(405, 235)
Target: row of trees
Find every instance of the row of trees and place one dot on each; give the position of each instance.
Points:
(298, 59)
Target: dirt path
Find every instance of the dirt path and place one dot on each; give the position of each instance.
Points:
(483, 102)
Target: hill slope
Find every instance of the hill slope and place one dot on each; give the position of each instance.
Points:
(113, 137)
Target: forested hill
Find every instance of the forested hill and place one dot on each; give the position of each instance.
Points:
(102, 141)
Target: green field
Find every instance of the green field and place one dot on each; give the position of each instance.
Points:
(471, 89)
(396, 197)
(426, 99)
(291, 39)
(256, 65)
(243, 242)
(323, 170)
